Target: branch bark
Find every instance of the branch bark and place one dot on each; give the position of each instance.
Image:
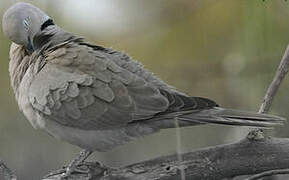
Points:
(267, 101)
(268, 173)
(275, 84)
(241, 158)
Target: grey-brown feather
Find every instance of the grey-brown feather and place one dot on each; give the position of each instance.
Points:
(85, 88)
(18, 65)
(82, 91)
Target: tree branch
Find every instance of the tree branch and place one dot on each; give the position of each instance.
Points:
(271, 91)
(275, 84)
(241, 158)
(268, 173)
(270, 94)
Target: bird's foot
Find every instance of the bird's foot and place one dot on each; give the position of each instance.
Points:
(54, 173)
(73, 165)
(76, 170)
(84, 170)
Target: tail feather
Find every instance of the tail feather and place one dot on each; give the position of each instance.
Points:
(232, 117)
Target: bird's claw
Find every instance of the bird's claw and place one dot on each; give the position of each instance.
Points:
(54, 173)
(74, 170)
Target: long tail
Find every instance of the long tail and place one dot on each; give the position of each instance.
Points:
(217, 115)
(231, 117)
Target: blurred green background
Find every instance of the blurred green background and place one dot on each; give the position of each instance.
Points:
(221, 49)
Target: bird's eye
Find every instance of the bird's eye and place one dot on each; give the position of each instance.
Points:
(47, 23)
(26, 23)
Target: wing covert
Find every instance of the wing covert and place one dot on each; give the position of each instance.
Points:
(82, 88)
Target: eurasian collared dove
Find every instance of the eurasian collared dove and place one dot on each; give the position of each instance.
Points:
(95, 97)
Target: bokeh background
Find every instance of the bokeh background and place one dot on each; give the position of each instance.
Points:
(221, 49)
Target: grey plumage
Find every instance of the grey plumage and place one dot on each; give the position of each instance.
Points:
(96, 97)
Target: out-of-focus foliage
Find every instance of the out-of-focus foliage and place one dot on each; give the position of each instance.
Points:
(222, 49)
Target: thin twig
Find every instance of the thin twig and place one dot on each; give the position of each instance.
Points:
(271, 92)
(268, 173)
(265, 106)
(275, 84)
(179, 148)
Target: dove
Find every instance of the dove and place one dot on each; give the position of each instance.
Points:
(95, 97)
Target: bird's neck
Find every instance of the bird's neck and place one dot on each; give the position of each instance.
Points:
(51, 37)
(18, 65)
(21, 59)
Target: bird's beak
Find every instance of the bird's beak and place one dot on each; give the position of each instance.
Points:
(30, 47)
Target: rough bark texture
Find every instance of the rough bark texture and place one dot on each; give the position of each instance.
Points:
(241, 158)
(276, 82)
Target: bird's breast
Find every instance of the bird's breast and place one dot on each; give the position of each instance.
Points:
(24, 104)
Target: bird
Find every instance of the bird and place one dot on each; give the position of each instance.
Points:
(95, 97)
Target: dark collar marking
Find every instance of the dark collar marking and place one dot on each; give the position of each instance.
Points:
(47, 23)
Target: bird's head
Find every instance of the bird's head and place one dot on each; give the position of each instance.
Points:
(22, 21)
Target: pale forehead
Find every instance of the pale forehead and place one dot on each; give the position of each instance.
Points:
(23, 11)
(22, 20)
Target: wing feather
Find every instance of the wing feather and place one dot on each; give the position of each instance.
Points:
(83, 88)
